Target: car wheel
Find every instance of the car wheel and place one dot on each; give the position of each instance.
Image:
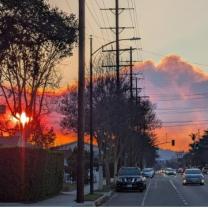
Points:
(184, 184)
(201, 184)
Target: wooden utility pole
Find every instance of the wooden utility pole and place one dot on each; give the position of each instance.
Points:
(81, 87)
(131, 74)
(117, 45)
(91, 120)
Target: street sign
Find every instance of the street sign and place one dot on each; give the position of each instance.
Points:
(2, 109)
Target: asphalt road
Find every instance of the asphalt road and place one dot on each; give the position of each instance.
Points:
(163, 191)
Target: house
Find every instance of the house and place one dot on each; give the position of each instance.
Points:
(12, 141)
(71, 146)
(9, 141)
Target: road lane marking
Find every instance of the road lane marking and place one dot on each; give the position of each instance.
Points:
(155, 184)
(180, 195)
(145, 194)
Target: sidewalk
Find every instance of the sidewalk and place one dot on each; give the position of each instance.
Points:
(65, 199)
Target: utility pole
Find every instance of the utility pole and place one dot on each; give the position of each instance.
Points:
(91, 120)
(117, 45)
(81, 104)
(117, 30)
(131, 78)
(136, 90)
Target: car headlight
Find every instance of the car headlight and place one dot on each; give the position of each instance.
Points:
(139, 179)
(202, 180)
(184, 180)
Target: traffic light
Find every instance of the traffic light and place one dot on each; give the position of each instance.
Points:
(173, 142)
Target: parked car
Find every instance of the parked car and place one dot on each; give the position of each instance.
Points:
(130, 178)
(193, 176)
(148, 172)
(170, 171)
(180, 170)
(205, 170)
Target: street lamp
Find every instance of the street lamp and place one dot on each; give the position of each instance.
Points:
(23, 119)
(91, 102)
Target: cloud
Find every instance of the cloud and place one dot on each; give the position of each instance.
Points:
(180, 92)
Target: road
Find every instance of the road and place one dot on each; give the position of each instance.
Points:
(163, 191)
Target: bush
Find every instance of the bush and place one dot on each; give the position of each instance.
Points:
(29, 174)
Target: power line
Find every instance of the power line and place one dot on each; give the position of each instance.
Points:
(88, 22)
(137, 22)
(68, 5)
(184, 95)
(96, 20)
(103, 20)
(191, 111)
(175, 109)
(182, 99)
(183, 122)
(108, 21)
(183, 125)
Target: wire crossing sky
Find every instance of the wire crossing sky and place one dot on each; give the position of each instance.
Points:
(174, 54)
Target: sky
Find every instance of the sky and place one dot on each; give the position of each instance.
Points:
(174, 49)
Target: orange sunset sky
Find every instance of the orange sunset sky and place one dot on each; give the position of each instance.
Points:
(179, 91)
(172, 58)
(173, 55)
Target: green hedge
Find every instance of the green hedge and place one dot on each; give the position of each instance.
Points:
(29, 174)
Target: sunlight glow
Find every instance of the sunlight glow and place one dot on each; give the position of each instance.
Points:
(22, 118)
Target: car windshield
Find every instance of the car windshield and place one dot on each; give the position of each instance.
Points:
(193, 171)
(129, 171)
(147, 170)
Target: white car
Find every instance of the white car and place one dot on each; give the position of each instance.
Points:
(148, 172)
(170, 171)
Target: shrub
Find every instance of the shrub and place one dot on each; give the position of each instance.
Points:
(29, 174)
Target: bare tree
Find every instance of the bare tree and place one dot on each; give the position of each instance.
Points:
(33, 38)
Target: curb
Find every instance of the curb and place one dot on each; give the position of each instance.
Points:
(103, 199)
(67, 193)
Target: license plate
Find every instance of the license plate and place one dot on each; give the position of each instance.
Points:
(129, 186)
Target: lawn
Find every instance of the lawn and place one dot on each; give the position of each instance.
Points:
(104, 189)
(92, 197)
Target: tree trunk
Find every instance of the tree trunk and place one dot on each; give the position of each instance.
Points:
(100, 183)
(107, 171)
(115, 169)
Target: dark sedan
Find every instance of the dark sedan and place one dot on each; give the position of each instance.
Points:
(193, 176)
(130, 178)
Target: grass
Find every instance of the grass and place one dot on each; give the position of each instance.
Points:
(92, 197)
(69, 187)
(105, 189)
